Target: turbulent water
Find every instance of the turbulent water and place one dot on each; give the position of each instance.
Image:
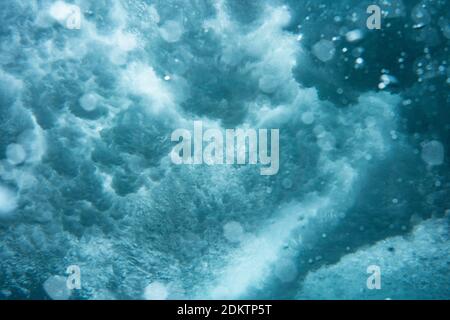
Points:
(86, 178)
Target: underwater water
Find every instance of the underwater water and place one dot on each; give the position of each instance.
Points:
(89, 100)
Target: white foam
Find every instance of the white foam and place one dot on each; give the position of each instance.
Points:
(89, 101)
(269, 83)
(233, 231)
(142, 80)
(153, 13)
(252, 262)
(15, 154)
(286, 270)
(354, 35)
(398, 258)
(171, 31)
(156, 291)
(326, 141)
(433, 153)
(324, 50)
(308, 117)
(33, 141)
(60, 10)
(56, 288)
(126, 41)
(8, 202)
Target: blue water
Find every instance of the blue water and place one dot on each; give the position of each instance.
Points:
(86, 178)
